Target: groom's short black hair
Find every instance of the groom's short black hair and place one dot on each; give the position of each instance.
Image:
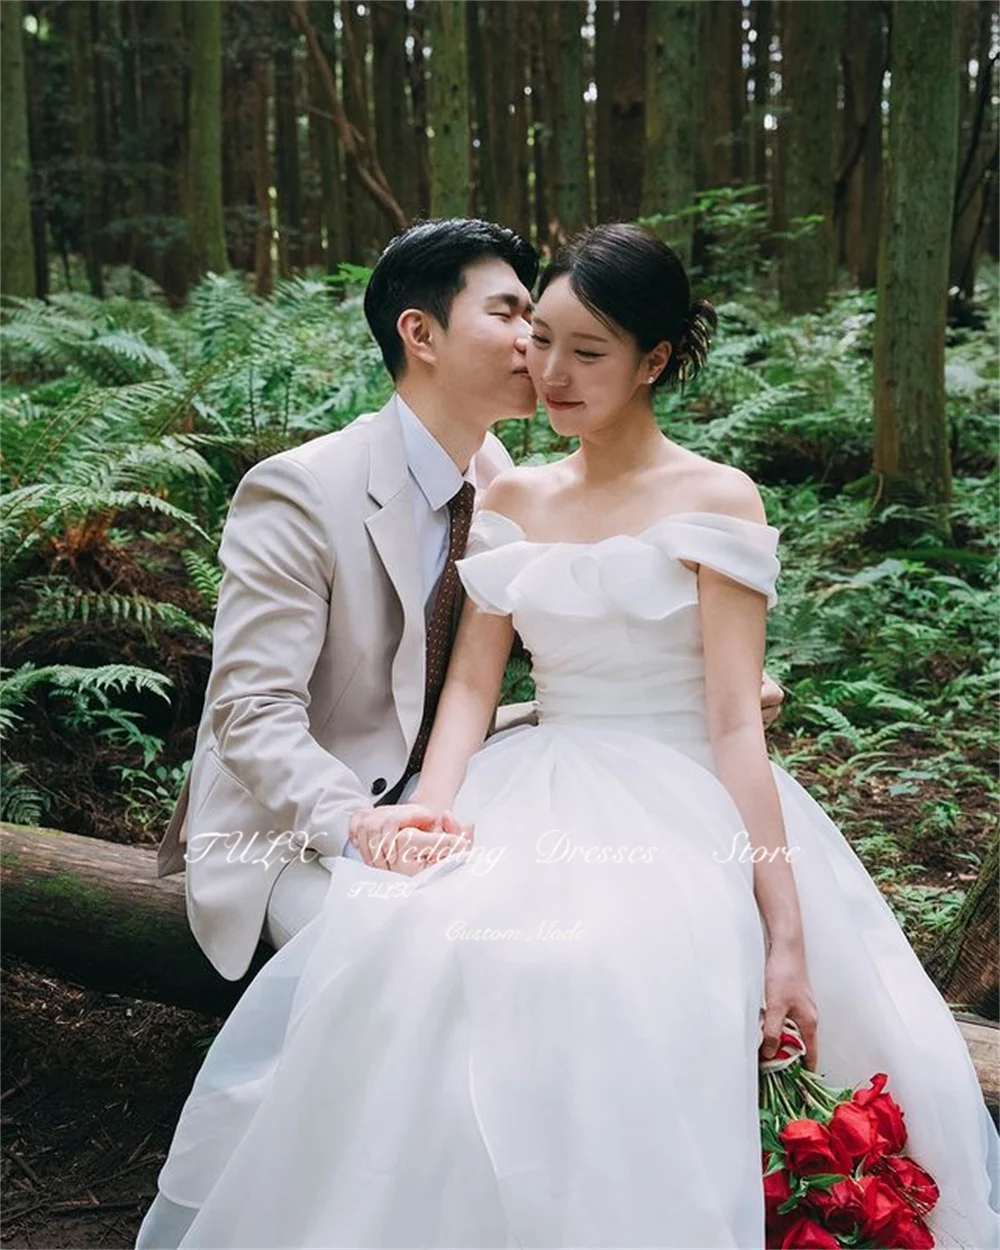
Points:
(423, 268)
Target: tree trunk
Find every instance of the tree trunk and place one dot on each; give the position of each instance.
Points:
(628, 109)
(912, 459)
(506, 132)
(564, 62)
(449, 110)
(208, 236)
(977, 145)
(17, 257)
(324, 137)
(96, 913)
(859, 189)
(287, 174)
(604, 77)
(166, 255)
(964, 963)
(416, 69)
(672, 43)
(82, 89)
(810, 43)
(392, 111)
(263, 269)
(763, 16)
(723, 92)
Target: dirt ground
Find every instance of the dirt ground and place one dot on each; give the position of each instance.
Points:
(93, 1085)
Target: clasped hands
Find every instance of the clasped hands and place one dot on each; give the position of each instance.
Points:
(406, 837)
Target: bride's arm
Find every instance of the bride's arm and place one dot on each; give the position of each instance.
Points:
(733, 637)
(468, 700)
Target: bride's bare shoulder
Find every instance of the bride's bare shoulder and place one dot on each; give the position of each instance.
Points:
(518, 492)
(715, 487)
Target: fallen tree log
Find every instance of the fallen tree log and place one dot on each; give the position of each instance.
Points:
(96, 913)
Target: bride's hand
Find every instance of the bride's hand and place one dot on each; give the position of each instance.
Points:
(787, 992)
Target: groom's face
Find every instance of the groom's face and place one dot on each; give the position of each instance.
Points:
(481, 355)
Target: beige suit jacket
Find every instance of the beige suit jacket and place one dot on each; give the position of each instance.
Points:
(317, 684)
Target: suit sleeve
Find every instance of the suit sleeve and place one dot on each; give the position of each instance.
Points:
(278, 567)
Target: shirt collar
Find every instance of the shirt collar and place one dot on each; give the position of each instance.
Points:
(435, 472)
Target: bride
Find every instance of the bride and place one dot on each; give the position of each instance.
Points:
(550, 1037)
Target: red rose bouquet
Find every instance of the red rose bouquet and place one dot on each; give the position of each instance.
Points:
(834, 1171)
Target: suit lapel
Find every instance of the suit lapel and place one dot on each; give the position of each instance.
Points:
(394, 536)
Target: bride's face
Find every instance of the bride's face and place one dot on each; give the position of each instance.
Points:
(585, 372)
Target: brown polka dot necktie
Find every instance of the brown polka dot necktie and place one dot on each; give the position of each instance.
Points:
(439, 635)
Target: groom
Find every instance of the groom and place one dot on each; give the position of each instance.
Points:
(323, 684)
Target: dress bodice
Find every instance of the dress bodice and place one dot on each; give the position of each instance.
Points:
(613, 626)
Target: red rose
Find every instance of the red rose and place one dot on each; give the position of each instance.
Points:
(887, 1113)
(856, 1130)
(841, 1207)
(809, 1149)
(908, 1230)
(777, 1188)
(910, 1180)
(806, 1234)
(882, 1207)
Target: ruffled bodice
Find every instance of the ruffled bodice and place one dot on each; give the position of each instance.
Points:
(640, 654)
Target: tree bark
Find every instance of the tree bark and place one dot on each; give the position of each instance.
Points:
(964, 963)
(628, 109)
(912, 457)
(86, 153)
(323, 136)
(564, 62)
(723, 92)
(451, 172)
(858, 192)
(392, 110)
(287, 171)
(810, 42)
(17, 255)
(505, 120)
(263, 268)
(672, 44)
(208, 237)
(604, 77)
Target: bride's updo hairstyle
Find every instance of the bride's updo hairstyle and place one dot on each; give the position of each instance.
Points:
(630, 279)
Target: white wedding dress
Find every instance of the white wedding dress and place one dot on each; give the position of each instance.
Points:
(552, 1039)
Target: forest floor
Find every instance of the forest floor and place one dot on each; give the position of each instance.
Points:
(93, 1085)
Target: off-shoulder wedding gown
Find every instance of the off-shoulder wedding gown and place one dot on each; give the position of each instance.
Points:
(552, 1040)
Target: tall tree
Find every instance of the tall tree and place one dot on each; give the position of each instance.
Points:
(17, 260)
(672, 44)
(449, 108)
(723, 94)
(208, 237)
(287, 159)
(911, 432)
(85, 131)
(325, 143)
(505, 137)
(858, 193)
(604, 77)
(977, 145)
(628, 108)
(416, 69)
(564, 61)
(391, 108)
(166, 255)
(810, 41)
(263, 268)
(760, 69)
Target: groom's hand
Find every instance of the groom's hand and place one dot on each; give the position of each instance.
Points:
(771, 698)
(406, 837)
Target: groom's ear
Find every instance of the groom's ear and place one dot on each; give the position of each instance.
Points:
(417, 330)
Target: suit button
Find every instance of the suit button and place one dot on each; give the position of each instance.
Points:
(378, 785)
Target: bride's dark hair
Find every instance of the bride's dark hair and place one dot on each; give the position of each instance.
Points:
(628, 277)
